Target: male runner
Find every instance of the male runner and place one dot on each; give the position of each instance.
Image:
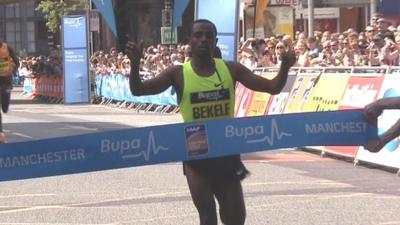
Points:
(205, 89)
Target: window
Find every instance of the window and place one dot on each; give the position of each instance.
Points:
(30, 31)
(13, 35)
(13, 10)
(2, 11)
(30, 11)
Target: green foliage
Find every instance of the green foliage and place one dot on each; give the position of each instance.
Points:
(22, 54)
(54, 10)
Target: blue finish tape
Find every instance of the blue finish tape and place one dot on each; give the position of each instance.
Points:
(180, 142)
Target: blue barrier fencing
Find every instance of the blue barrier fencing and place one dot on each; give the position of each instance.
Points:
(116, 87)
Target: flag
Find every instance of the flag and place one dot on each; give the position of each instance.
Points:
(106, 10)
(260, 7)
(179, 8)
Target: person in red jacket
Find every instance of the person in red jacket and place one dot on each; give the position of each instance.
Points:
(8, 64)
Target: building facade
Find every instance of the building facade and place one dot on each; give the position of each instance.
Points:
(24, 28)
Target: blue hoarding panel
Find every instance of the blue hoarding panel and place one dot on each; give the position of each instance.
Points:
(75, 54)
(227, 44)
(106, 9)
(223, 13)
(74, 27)
(76, 77)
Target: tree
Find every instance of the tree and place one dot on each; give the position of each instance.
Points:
(54, 10)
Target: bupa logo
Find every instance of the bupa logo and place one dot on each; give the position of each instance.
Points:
(257, 134)
(74, 22)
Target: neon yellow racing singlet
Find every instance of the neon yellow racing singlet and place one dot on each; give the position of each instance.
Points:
(205, 98)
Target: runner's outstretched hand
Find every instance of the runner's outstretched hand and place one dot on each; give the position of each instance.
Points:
(288, 59)
(375, 145)
(134, 51)
(372, 111)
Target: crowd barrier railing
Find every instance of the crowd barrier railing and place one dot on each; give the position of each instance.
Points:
(306, 90)
(324, 89)
(110, 88)
(115, 87)
(49, 88)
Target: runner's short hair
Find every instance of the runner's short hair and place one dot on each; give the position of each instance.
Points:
(206, 21)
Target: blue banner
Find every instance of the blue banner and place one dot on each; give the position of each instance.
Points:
(224, 14)
(74, 27)
(179, 9)
(227, 44)
(116, 87)
(75, 56)
(106, 10)
(180, 142)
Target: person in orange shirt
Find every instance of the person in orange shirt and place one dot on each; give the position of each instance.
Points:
(8, 64)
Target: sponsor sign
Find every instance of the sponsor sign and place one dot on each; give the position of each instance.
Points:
(326, 93)
(260, 100)
(276, 20)
(277, 102)
(168, 37)
(300, 93)
(224, 14)
(242, 106)
(75, 56)
(360, 90)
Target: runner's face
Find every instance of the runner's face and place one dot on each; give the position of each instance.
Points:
(203, 39)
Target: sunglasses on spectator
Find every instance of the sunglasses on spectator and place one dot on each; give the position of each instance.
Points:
(279, 47)
(369, 31)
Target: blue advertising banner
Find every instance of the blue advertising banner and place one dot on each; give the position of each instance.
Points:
(75, 56)
(116, 87)
(180, 142)
(224, 14)
(106, 10)
(227, 44)
(74, 27)
(179, 9)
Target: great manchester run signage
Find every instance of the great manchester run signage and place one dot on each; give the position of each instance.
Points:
(75, 55)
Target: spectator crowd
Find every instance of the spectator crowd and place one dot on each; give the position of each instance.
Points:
(41, 65)
(377, 45)
(154, 60)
